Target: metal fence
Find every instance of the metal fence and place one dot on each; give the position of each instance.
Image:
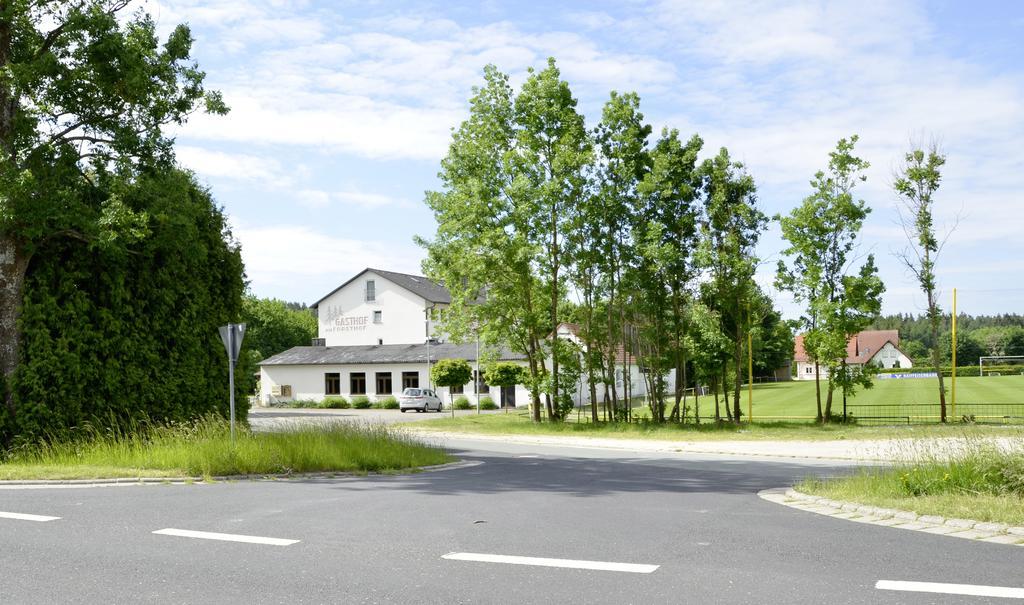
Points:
(919, 413)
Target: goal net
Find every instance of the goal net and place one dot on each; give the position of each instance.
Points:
(1001, 365)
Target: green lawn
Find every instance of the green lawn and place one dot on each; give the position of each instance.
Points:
(796, 399)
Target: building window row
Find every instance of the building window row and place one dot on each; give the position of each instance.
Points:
(383, 383)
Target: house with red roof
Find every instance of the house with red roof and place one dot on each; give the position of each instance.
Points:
(876, 347)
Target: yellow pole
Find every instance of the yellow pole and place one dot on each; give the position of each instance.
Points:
(750, 378)
(953, 375)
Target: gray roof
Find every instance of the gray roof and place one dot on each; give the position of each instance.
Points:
(426, 288)
(366, 354)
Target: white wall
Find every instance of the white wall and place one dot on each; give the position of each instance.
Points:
(346, 317)
(888, 356)
(308, 382)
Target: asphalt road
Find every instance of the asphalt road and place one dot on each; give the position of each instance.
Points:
(382, 539)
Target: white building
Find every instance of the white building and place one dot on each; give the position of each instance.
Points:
(373, 341)
(876, 347)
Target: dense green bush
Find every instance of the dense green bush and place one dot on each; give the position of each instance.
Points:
(486, 403)
(461, 403)
(335, 402)
(361, 402)
(388, 402)
(123, 327)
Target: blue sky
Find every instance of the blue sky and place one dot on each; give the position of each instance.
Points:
(341, 112)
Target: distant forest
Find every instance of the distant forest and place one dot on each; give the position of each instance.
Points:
(976, 336)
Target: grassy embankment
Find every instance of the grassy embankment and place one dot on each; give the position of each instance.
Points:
(787, 409)
(205, 450)
(981, 482)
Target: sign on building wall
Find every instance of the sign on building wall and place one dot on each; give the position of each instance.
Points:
(336, 321)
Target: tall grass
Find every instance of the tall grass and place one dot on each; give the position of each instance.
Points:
(204, 449)
(966, 478)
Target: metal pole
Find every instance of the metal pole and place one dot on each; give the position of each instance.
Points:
(231, 376)
(953, 375)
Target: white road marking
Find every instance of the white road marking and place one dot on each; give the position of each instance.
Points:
(543, 562)
(24, 517)
(528, 456)
(962, 589)
(206, 535)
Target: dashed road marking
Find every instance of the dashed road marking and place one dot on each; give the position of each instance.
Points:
(545, 562)
(25, 517)
(960, 589)
(206, 535)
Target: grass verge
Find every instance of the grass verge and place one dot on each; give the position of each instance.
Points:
(204, 450)
(980, 481)
(519, 423)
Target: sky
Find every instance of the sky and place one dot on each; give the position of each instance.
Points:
(342, 110)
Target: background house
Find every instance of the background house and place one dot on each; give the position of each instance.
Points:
(876, 347)
(377, 335)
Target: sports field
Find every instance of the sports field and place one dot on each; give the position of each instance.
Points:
(990, 396)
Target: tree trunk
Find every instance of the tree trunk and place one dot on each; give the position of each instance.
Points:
(13, 265)
(714, 389)
(739, 374)
(933, 320)
(817, 388)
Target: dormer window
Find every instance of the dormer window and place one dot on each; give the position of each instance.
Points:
(371, 291)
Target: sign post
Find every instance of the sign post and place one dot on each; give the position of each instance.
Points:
(232, 335)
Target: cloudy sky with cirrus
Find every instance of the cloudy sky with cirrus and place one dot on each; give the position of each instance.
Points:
(341, 112)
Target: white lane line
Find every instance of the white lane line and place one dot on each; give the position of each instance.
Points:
(24, 517)
(963, 589)
(206, 535)
(543, 562)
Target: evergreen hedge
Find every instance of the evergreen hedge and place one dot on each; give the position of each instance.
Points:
(124, 331)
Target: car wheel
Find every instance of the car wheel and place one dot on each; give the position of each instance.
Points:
(438, 406)
(402, 410)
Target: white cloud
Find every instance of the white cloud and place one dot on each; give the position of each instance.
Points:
(207, 162)
(295, 262)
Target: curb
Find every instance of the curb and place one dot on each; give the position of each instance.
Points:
(998, 533)
(57, 483)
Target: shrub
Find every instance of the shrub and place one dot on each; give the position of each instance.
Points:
(361, 402)
(386, 403)
(486, 403)
(300, 403)
(335, 403)
(461, 403)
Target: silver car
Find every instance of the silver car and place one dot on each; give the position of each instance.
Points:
(420, 400)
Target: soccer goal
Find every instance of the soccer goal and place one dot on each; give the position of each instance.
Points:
(1000, 365)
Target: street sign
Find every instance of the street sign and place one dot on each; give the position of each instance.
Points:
(232, 335)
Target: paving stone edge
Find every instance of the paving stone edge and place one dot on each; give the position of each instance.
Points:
(961, 528)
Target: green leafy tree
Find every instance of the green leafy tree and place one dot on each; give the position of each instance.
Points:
(84, 91)
(732, 226)
(451, 373)
(822, 234)
(505, 374)
(552, 148)
(916, 182)
(273, 326)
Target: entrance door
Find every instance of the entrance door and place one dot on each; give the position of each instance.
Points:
(508, 397)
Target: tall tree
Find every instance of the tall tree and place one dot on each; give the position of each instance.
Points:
(484, 249)
(621, 138)
(552, 149)
(667, 236)
(822, 234)
(273, 325)
(732, 226)
(916, 182)
(83, 90)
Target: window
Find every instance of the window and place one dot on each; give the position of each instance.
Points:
(380, 341)
(481, 386)
(371, 291)
(357, 383)
(378, 317)
(383, 383)
(808, 370)
(456, 390)
(410, 380)
(332, 383)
